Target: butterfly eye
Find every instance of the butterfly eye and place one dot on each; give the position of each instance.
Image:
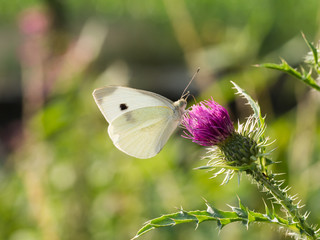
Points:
(123, 106)
(182, 103)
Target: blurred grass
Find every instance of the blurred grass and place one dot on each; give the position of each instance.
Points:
(61, 177)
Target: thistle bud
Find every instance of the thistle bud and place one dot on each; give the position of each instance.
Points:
(208, 123)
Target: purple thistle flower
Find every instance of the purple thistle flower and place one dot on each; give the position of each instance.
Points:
(208, 123)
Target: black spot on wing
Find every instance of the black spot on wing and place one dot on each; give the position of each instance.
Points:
(123, 106)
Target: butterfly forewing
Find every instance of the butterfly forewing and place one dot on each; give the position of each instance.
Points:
(114, 100)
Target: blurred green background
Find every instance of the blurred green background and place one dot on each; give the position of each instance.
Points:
(60, 175)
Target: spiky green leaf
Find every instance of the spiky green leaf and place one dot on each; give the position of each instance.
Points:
(285, 67)
(238, 214)
(312, 48)
(254, 105)
(268, 161)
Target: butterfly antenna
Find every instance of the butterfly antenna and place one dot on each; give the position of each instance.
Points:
(193, 77)
(185, 95)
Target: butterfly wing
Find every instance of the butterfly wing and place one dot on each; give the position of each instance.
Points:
(113, 101)
(143, 132)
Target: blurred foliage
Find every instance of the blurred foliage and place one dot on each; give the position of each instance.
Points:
(61, 177)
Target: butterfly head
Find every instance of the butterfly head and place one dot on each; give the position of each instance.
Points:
(180, 106)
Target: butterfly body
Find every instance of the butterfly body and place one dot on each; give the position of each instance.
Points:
(140, 122)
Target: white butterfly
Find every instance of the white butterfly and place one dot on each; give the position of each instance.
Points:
(140, 122)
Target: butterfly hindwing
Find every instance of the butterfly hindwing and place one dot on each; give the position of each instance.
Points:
(143, 132)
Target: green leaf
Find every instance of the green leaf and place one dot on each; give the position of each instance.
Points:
(254, 105)
(269, 214)
(285, 67)
(268, 161)
(203, 167)
(238, 214)
(312, 48)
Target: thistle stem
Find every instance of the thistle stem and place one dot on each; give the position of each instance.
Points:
(285, 201)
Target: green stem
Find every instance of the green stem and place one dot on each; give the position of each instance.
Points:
(283, 200)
